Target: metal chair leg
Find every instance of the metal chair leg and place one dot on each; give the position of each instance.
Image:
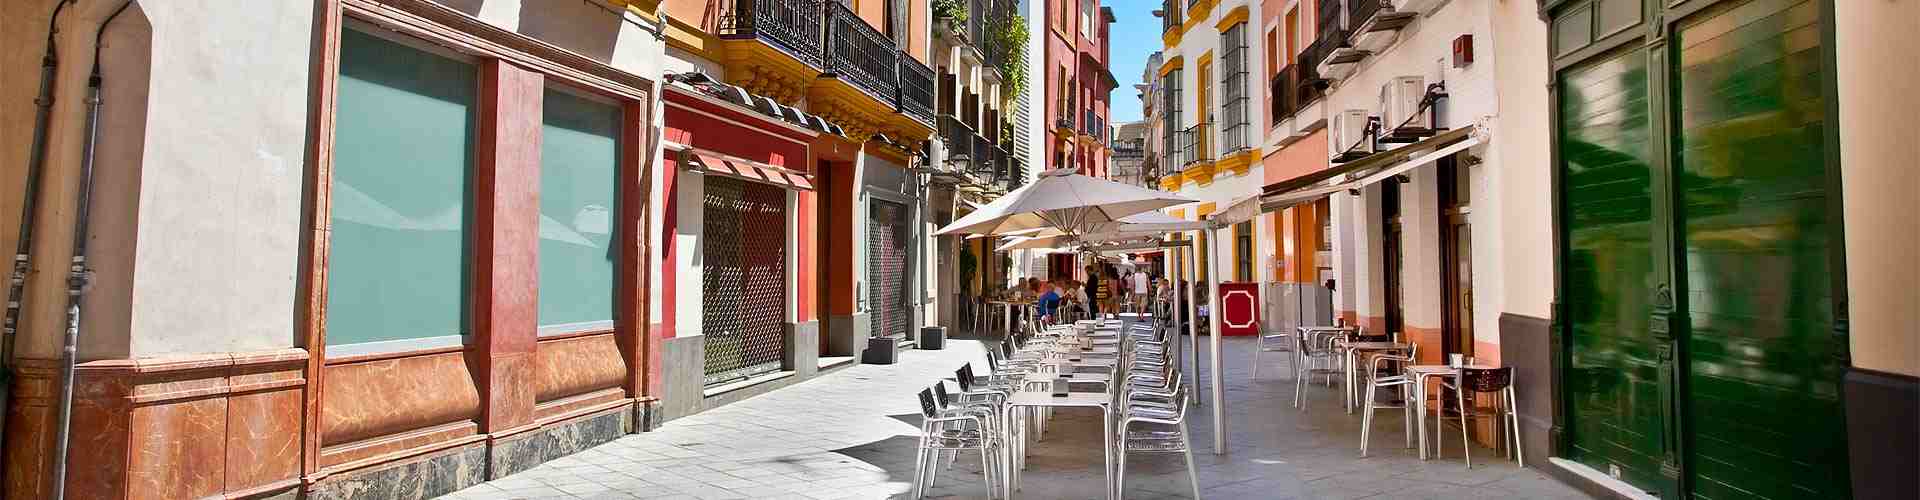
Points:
(1460, 398)
(1193, 474)
(1366, 421)
(1513, 415)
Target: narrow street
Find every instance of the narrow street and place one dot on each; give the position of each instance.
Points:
(850, 435)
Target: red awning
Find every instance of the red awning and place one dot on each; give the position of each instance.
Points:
(711, 163)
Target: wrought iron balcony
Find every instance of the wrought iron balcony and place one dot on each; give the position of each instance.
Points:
(916, 89)
(859, 54)
(1360, 11)
(1171, 13)
(984, 162)
(1004, 169)
(978, 19)
(1281, 93)
(790, 25)
(1196, 144)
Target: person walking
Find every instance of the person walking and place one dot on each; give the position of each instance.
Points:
(1096, 294)
(1141, 288)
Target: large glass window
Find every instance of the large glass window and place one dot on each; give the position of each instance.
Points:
(403, 154)
(579, 204)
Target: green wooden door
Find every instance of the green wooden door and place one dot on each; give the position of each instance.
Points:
(1611, 384)
(1763, 361)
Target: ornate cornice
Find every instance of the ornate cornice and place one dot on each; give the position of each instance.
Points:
(767, 71)
(1199, 173)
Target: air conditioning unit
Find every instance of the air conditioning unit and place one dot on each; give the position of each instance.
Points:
(1421, 7)
(1400, 103)
(1345, 129)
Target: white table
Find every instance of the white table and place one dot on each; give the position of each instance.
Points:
(1046, 399)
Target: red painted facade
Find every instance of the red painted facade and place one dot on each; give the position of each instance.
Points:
(696, 122)
(1078, 84)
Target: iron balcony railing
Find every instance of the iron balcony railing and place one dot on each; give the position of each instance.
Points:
(984, 161)
(1091, 124)
(1170, 15)
(1003, 167)
(1280, 94)
(1310, 86)
(828, 36)
(916, 89)
(1196, 144)
(790, 25)
(957, 135)
(860, 54)
(1359, 11)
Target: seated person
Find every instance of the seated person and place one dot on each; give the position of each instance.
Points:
(1048, 303)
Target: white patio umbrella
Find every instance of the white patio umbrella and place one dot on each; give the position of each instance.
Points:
(1065, 201)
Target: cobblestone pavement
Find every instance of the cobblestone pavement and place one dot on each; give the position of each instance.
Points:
(849, 434)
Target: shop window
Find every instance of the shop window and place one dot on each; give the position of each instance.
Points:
(403, 156)
(579, 207)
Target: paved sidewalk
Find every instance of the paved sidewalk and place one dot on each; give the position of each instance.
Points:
(850, 435)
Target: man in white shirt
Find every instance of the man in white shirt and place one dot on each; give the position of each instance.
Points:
(1142, 288)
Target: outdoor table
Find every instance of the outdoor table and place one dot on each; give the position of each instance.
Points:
(1419, 375)
(1352, 348)
(1046, 400)
(1006, 309)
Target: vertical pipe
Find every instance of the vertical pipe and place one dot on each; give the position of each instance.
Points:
(1213, 329)
(79, 275)
(1193, 314)
(23, 245)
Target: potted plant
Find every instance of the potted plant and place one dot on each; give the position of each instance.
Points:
(950, 15)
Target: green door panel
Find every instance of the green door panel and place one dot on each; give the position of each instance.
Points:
(1612, 380)
(1763, 360)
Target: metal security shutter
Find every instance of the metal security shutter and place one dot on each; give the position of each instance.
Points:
(744, 286)
(887, 268)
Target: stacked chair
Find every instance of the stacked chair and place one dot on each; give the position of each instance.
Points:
(1152, 403)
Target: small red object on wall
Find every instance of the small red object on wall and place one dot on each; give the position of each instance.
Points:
(1463, 51)
(1239, 308)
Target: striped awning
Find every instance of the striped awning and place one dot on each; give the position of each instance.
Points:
(767, 106)
(712, 163)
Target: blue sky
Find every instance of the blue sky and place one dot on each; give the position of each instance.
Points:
(1136, 34)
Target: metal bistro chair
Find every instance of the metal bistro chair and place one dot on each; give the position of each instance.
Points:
(1280, 341)
(1497, 381)
(1400, 382)
(1313, 358)
(1160, 440)
(941, 432)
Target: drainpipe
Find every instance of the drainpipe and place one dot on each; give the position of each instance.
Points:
(78, 274)
(36, 156)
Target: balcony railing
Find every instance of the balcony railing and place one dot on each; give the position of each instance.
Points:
(1003, 167)
(916, 88)
(1359, 11)
(1093, 125)
(828, 36)
(790, 25)
(1171, 12)
(1196, 144)
(984, 163)
(959, 140)
(1311, 85)
(858, 53)
(1281, 94)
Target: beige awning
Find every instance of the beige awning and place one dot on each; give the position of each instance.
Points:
(1373, 168)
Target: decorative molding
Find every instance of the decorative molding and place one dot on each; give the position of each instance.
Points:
(860, 114)
(1239, 163)
(1200, 173)
(1236, 16)
(764, 70)
(1172, 64)
(1170, 182)
(444, 25)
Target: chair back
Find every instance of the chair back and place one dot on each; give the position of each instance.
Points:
(940, 397)
(1486, 379)
(927, 408)
(993, 360)
(1363, 337)
(964, 375)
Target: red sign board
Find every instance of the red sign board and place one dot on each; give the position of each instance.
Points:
(1239, 308)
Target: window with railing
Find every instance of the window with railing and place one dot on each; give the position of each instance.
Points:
(1170, 130)
(858, 53)
(1280, 94)
(916, 88)
(1235, 130)
(1170, 15)
(1196, 143)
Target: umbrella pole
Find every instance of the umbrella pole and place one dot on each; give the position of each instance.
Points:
(1193, 314)
(1213, 322)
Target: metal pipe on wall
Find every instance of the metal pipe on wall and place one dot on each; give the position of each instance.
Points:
(79, 275)
(23, 246)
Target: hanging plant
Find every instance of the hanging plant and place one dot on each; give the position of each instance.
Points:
(1007, 38)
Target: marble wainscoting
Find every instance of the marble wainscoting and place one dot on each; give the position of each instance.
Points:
(220, 425)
